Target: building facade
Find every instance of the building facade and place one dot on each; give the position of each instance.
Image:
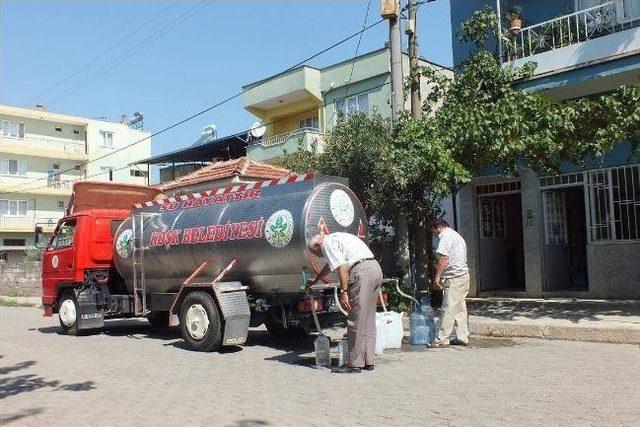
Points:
(299, 106)
(41, 154)
(576, 234)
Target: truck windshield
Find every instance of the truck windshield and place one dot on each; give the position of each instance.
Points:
(64, 234)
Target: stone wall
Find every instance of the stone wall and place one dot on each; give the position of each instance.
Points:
(20, 279)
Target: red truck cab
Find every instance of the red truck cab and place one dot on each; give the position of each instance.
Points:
(82, 242)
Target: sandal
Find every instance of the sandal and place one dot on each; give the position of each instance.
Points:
(438, 344)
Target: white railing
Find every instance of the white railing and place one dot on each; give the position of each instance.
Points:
(37, 143)
(59, 183)
(284, 137)
(26, 222)
(567, 30)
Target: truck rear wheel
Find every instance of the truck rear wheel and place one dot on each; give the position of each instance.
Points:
(200, 323)
(68, 313)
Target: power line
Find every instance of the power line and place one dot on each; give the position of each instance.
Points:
(103, 53)
(129, 53)
(22, 188)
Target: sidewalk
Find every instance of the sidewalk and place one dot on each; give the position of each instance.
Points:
(561, 319)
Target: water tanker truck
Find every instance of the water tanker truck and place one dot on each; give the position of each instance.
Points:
(213, 263)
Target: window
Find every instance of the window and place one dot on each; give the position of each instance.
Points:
(492, 218)
(613, 197)
(12, 129)
(138, 173)
(13, 167)
(106, 173)
(13, 207)
(555, 217)
(64, 234)
(15, 242)
(76, 132)
(310, 123)
(58, 129)
(353, 104)
(107, 139)
(61, 205)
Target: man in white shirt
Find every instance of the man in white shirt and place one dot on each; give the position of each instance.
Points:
(360, 278)
(452, 276)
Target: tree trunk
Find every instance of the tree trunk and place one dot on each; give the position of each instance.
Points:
(422, 237)
(403, 261)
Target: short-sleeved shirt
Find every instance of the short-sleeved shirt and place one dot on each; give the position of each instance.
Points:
(452, 245)
(344, 248)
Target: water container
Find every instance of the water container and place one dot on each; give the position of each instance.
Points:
(343, 350)
(427, 311)
(389, 329)
(379, 336)
(418, 330)
(323, 351)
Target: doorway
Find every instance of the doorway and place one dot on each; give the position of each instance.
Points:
(501, 243)
(565, 240)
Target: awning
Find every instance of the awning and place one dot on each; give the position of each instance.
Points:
(205, 149)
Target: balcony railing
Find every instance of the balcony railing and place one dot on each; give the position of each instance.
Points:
(59, 183)
(567, 30)
(27, 223)
(284, 137)
(49, 144)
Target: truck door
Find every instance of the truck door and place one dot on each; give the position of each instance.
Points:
(59, 258)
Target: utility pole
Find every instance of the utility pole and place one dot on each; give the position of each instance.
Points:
(390, 10)
(412, 32)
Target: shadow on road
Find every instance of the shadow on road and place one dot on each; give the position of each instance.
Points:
(9, 418)
(24, 383)
(249, 423)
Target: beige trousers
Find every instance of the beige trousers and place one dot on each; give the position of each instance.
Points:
(364, 282)
(454, 308)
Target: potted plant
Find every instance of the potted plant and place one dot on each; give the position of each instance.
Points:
(515, 20)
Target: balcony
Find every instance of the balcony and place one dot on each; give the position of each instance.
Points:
(272, 149)
(56, 148)
(54, 187)
(281, 95)
(586, 37)
(26, 224)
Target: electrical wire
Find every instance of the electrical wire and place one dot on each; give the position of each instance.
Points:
(128, 54)
(22, 187)
(103, 53)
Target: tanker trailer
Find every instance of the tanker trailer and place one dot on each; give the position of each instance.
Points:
(260, 229)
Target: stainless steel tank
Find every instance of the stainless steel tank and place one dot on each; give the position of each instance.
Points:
(265, 227)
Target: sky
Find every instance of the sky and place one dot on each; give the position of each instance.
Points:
(170, 59)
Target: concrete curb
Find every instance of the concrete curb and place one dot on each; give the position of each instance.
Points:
(606, 334)
(510, 329)
(35, 301)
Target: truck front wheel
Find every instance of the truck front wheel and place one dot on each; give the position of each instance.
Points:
(200, 323)
(68, 313)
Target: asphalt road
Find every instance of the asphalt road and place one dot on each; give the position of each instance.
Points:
(131, 375)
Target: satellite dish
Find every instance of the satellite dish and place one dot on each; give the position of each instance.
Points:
(257, 130)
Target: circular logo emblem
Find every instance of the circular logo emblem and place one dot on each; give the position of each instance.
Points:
(124, 243)
(54, 261)
(341, 207)
(278, 230)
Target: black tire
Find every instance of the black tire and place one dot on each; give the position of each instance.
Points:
(277, 330)
(69, 329)
(159, 319)
(212, 338)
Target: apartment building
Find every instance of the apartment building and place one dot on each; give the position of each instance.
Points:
(575, 234)
(299, 106)
(41, 154)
